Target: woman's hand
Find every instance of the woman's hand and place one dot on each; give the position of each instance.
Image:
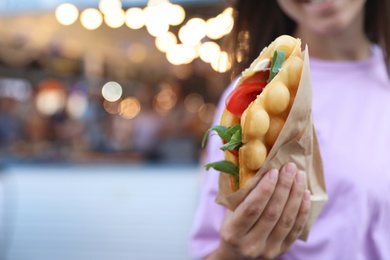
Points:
(269, 220)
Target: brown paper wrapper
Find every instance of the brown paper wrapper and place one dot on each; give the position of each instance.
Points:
(297, 142)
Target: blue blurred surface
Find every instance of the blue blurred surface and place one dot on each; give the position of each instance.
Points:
(97, 212)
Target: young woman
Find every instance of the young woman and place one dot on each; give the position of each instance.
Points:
(349, 47)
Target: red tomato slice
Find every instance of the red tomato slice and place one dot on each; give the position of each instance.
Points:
(240, 98)
(258, 76)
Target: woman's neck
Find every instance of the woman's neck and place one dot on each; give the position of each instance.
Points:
(337, 48)
(351, 44)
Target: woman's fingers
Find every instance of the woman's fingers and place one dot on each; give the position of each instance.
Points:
(270, 218)
(248, 212)
(271, 214)
(289, 216)
(300, 222)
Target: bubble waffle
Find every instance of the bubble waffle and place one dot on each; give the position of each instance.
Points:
(264, 117)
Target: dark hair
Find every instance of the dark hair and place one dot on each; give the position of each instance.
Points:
(244, 44)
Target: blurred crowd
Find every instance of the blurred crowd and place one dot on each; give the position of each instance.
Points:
(169, 130)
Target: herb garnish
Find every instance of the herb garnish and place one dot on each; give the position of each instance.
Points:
(231, 135)
(276, 64)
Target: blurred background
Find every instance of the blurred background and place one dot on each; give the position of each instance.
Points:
(103, 106)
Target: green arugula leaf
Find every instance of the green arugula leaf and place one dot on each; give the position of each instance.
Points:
(276, 64)
(225, 133)
(221, 130)
(232, 130)
(224, 166)
(232, 136)
(235, 141)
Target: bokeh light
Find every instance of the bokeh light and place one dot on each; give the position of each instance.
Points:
(129, 107)
(112, 91)
(51, 97)
(135, 18)
(177, 14)
(193, 102)
(222, 63)
(66, 14)
(156, 19)
(209, 51)
(220, 25)
(164, 101)
(181, 54)
(115, 19)
(165, 41)
(107, 7)
(91, 18)
(77, 104)
(193, 31)
(156, 28)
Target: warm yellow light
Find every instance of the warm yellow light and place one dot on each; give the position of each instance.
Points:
(129, 108)
(209, 51)
(226, 21)
(220, 25)
(164, 12)
(177, 14)
(180, 54)
(165, 41)
(91, 18)
(185, 35)
(214, 30)
(66, 14)
(164, 101)
(135, 18)
(222, 64)
(115, 19)
(193, 31)
(109, 6)
(157, 29)
(229, 11)
(156, 21)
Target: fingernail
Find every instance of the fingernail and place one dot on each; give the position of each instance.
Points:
(300, 177)
(306, 195)
(273, 175)
(290, 168)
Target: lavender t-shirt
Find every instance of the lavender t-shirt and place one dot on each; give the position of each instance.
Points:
(351, 111)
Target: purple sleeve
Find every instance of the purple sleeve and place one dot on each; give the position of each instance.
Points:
(209, 215)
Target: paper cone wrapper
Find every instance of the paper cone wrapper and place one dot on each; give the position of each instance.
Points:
(297, 142)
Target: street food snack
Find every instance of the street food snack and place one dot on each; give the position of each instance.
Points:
(267, 122)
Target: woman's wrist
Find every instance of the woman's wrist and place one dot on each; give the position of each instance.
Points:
(224, 252)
